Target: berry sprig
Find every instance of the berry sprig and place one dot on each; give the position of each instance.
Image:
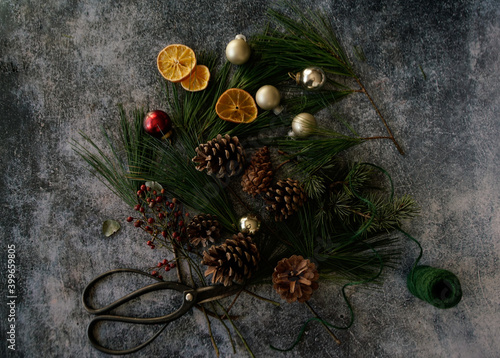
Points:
(160, 218)
(165, 265)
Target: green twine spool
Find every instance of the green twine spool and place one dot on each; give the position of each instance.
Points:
(440, 288)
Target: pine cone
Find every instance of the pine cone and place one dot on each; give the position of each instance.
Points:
(203, 228)
(222, 156)
(285, 198)
(259, 174)
(295, 279)
(234, 260)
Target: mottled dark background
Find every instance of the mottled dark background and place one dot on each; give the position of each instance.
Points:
(64, 67)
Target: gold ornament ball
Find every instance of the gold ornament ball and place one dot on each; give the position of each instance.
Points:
(268, 97)
(303, 125)
(238, 51)
(311, 78)
(249, 224)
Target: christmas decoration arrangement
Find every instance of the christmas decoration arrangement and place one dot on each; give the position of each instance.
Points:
(238, 184)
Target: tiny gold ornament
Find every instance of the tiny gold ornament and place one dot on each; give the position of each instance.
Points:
(268, 98)
(249, 224)
(238, 51)
(311, 78)
(303, 125)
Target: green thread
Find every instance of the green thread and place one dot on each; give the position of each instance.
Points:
(441, 288)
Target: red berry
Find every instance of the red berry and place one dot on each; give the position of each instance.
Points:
(164, 234)
(167, 268)
(172, 265)
(138, 223)
(147, 228)
(181, 223)
(149, 242)
(161, 216)
(139, 192)
(148, 188)
(165, 261)
(160, 277)
(152, 247)
(175, 235)
(159, 199)
(159, 264)
(175, 201)
(137, 207)
(154, 273)
(129, 219)
(154, 192)
(187, 215)
(151, 220)
(148, 199)
(163, 191)
(142, 210)
(183, 230)
(171, 205)
(143, 187)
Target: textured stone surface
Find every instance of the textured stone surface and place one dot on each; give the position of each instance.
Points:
(65, 65)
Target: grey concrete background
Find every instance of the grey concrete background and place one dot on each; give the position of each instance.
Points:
(64, 67)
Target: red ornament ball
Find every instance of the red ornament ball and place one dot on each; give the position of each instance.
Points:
(158, 124)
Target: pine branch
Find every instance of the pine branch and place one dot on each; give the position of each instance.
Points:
(310, 41)
(122, 155)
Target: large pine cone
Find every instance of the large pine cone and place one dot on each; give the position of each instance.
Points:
(285, 198)
(203, 228)
(259, 174)
(222, 156)
(234, 260)
(295, 279)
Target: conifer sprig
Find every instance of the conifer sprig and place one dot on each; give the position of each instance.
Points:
(308, 41)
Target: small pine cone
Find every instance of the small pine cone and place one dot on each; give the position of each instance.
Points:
(203, 228)
(285, 198)
(222, 156)
(295, 279)
(235, 260)
(259, 174)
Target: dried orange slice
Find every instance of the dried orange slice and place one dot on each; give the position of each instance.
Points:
(175, 62)
(197, 80)
(236, 105)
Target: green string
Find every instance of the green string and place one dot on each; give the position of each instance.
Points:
(441, 288)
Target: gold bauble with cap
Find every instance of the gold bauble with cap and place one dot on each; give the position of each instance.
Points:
(238, 51)
(303, 125)
(268, 98)
(249, 224)
(311, 78)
